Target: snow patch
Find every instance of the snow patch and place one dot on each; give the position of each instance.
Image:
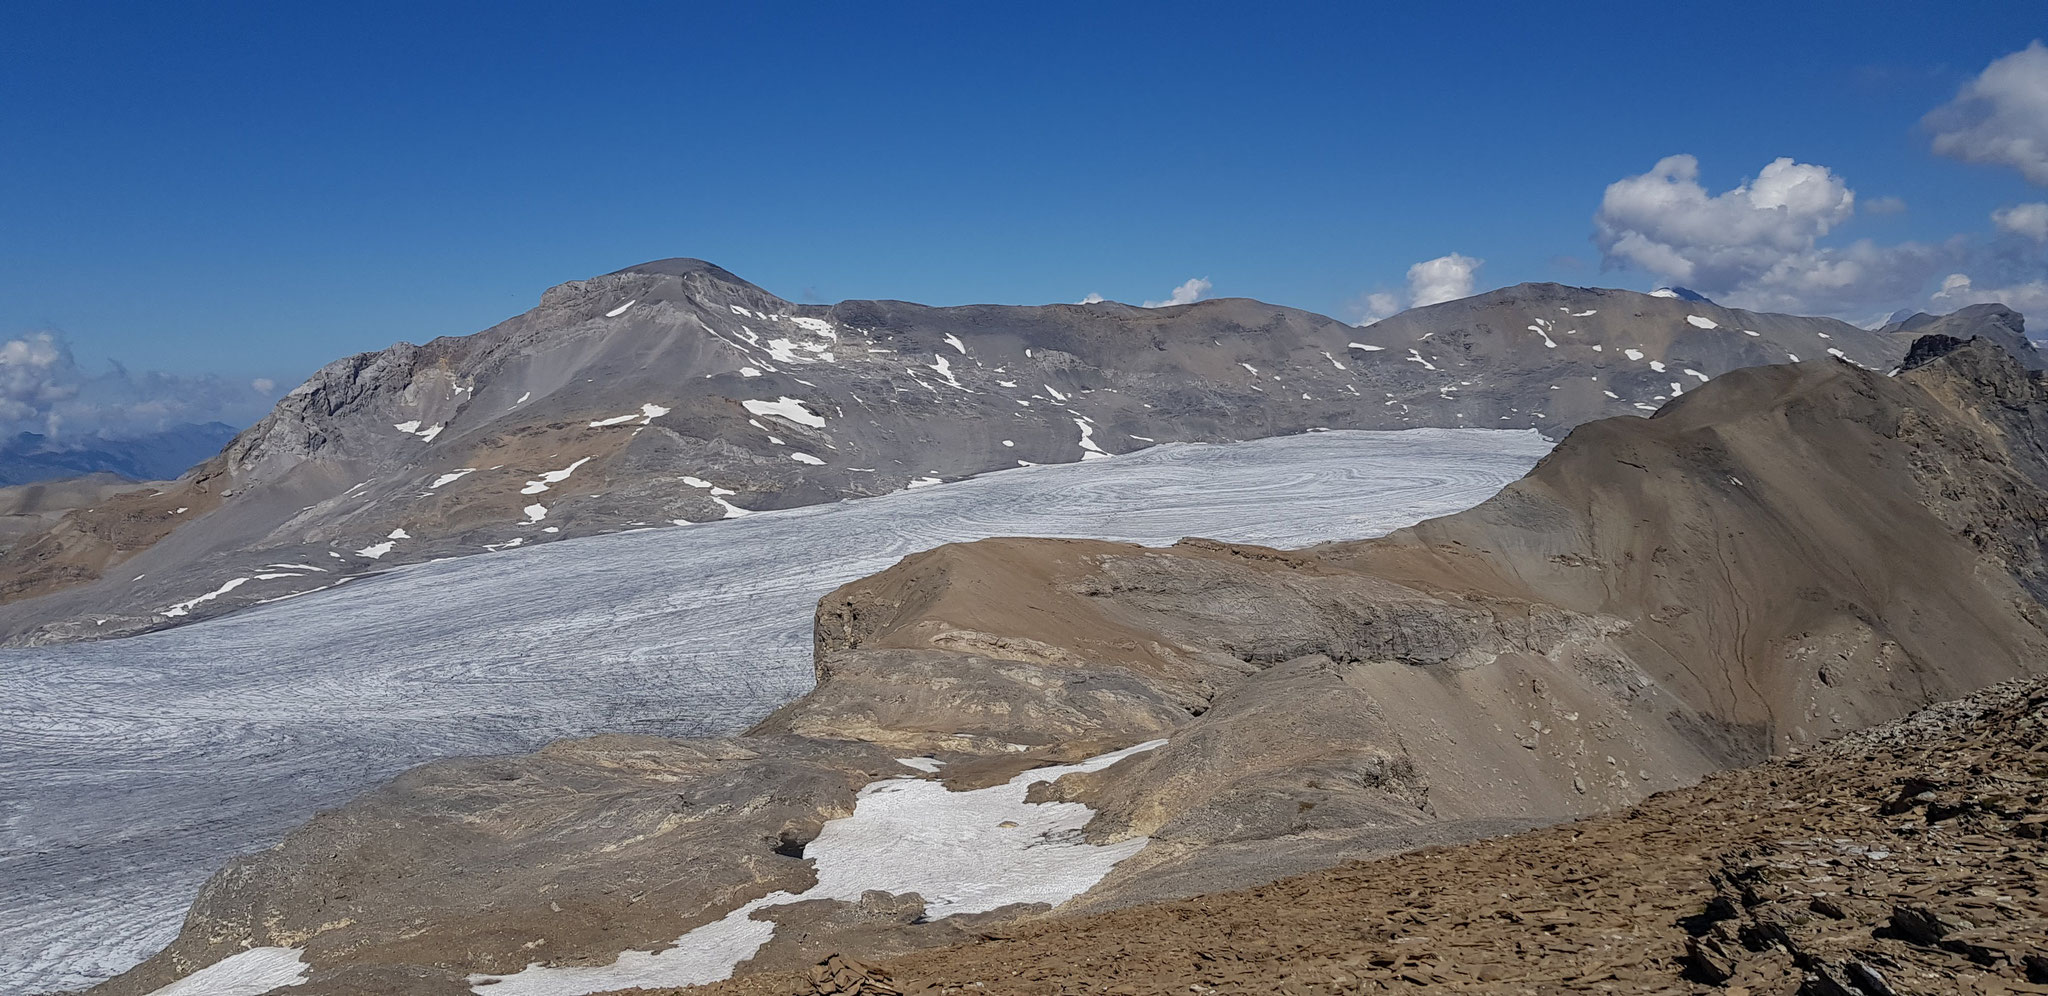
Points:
(786, 407)
(621, 309)
(964, 852)
(1633, 354)
(244, 973)
(188, 605)
(923, 482)
(376, 551)
(451, 477)
(945, 369)
(1366, 347)
(954, 341)
(1089, 451)
(807, 458)
(1701, 323)
(646, 416)
(534, 513)
(552, 477)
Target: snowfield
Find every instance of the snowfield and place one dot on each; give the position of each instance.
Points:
(964, 852)
(131, 769)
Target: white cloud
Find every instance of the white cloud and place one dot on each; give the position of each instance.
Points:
(2028, 297)
(1432, 281)
(1665, 222)
(1885, 205)
(1756, 245)
(43, 390)
(2001, 117)
(32, 381)
(1374, 307)
(1445, 278)
(263, 385)
(2030, 220)
(1187, 293)
(1093, 299)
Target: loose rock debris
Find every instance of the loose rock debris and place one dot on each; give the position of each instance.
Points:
(1908, 859)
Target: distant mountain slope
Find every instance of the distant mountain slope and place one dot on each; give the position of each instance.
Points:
(675, 392)
(29, 458)
(1996, 322)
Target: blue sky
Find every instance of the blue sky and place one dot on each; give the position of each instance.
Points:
(250, 191)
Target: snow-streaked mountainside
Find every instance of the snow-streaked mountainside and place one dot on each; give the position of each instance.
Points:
(674, 392)
(130, 769)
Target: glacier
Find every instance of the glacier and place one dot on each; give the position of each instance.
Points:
(131, 769)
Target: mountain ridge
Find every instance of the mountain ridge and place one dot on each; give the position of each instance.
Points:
(673, 392)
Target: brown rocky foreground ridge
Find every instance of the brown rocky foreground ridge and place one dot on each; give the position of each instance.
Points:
(1784, 555)
(1905, 859)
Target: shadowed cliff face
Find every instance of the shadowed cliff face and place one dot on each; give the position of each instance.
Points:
(674, 392)
(1787, 554)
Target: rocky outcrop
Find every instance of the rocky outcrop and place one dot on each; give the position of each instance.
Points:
(1902, 860)
(674, 392)
(1784, 556)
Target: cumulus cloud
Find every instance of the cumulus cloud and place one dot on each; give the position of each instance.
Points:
(1093, 299)
(1665, 222)
(2001, 117)
(1445, 278)
(1187, 293)
(1756, 245)
(1432, 281)
(43, 390)
(1373, 307)
(2029, 220)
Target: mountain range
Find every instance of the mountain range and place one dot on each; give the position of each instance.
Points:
(30, 457)
(673, 393)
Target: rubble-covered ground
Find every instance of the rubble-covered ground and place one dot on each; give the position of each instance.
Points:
(1906, 859)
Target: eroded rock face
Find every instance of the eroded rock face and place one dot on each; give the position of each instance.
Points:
(1789, 554)
(674, 392)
